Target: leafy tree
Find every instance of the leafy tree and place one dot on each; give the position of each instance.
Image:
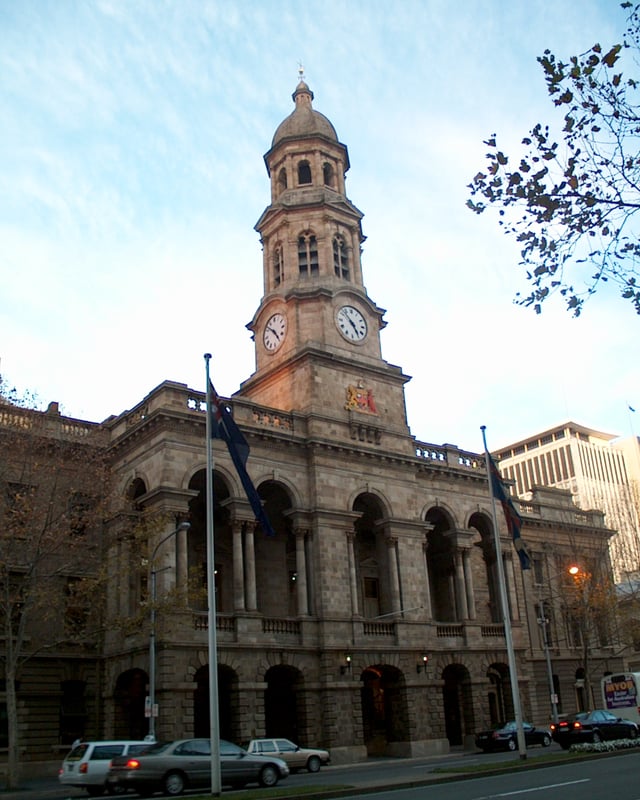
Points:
(52, 481)
(571, 202)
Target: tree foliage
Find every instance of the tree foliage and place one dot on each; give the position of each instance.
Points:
(571, 199)
(52, 484)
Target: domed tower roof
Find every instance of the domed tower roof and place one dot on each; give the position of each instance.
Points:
(304, 121)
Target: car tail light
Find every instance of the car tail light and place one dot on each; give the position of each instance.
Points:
(133, 763)
(83, 768)
(552, 727)
(494, 735)
(577, 725)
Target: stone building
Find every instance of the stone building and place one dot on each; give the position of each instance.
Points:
(370, 623)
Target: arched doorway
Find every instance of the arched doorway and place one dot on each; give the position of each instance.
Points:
(500, 699)
(281, 702)
(457, 703)
(371, 556)
(384, 708)
(129, 696)
(201, 711)
(441, 566)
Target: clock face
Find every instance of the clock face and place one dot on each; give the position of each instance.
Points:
(274, 332)
(351, 324)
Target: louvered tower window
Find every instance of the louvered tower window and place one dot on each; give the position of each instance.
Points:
(307, 254)
(340, 258)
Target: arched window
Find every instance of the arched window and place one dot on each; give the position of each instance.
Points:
(328, 175)
(278, 265)
(340, 257)
(282, 180)
(307, 254)
(304, 172)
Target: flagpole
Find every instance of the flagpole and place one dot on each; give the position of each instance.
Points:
(506, 617)
(216, 786)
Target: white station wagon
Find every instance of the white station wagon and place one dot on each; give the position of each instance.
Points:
(87, 764)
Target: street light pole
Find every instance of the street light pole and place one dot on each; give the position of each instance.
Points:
(543, 621)
(183, 526)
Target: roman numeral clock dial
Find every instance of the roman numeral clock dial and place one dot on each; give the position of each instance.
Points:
(274, 332)
(351, 324)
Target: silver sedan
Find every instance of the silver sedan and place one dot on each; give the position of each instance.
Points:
(172, 767)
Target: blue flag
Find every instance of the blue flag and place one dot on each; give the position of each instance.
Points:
(223, 427)
(514, 520)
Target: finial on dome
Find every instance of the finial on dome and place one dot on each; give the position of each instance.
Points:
(303, 94)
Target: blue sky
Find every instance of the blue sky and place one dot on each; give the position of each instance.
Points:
(131, 175)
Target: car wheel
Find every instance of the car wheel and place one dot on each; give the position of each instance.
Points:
(546, 740)
(511, 745)
(596, 738)
(633, 733)
(174, 784)
(268, 776)
(313, 764)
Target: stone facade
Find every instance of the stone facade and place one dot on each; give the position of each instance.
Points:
(370, 622)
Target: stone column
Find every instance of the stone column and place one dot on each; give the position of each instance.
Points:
(468, 580)
(238, 566)
(353, 578)
(250, 568)
(511, 584)
(182, 562)
(461, 589)
(394, 580)
(427, 587)
(301, 570)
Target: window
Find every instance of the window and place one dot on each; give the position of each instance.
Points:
(340, 257)
(278, 265)
(79, 509)
(328, 175)
(76, 607)
(19, 500)
(282, 181)
(304, 172)
(307, 254)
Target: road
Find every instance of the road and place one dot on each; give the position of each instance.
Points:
(599, 778)
(590, 779)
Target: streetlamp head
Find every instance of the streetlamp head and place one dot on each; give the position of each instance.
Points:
(184, 526)
(574, 570)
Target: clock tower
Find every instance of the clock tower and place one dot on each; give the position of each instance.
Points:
(316, 331)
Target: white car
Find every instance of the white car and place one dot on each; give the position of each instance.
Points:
(296, 757)
(87, 764)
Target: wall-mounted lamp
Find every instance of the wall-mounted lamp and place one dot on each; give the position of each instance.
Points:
(346, 667)
(421, 666)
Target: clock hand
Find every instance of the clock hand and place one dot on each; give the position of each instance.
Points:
(274, 332)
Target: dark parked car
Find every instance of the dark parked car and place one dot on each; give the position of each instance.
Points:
(504, 736)
(172, 767)
(593, 726)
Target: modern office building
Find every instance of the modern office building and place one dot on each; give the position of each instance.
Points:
(602, 471)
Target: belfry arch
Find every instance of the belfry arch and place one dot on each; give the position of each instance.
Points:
(371, 554)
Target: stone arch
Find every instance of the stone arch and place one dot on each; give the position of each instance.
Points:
(488, 603)
(457, 703)
(385, 715)
(371, 556)
(197, 539)
(499, 697)
(283, 712)
(275, 557)
(129, 696)
(441, 564)
(228, 719)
